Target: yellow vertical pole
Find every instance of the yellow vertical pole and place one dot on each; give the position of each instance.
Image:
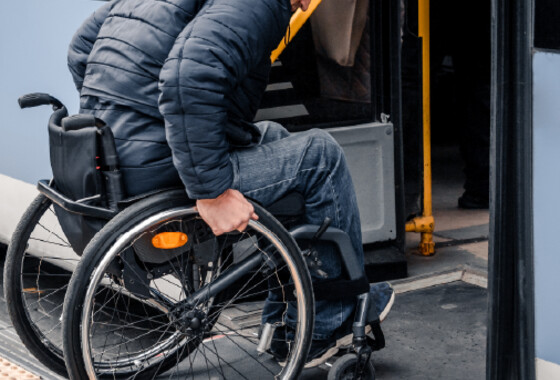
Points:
(425, 223)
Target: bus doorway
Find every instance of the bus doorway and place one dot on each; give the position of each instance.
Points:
(340, 72)
(442, 299)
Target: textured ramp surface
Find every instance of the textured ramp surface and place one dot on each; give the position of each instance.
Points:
(10, 371)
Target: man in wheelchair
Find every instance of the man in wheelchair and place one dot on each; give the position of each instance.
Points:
(179, 83)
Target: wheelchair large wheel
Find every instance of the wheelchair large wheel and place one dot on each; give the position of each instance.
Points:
(134, 309)
(37, 270)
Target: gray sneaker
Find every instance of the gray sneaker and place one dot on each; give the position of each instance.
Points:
(321, 351)
(383, 297)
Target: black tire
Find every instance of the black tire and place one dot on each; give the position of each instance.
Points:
(37, 270)
(344, 368)
(112, 331)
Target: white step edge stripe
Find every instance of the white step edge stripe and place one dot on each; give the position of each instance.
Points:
(279, 86)
(15, 196)
(547, 370)
(404, 286)
(282, 112)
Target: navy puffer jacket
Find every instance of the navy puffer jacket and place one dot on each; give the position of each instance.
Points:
(179, 82)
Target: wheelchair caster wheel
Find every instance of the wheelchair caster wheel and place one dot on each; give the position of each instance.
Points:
(345, 367)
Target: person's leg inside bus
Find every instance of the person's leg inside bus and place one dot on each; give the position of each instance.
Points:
(313, 164)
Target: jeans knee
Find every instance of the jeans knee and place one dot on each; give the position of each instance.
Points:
(326, 145)
(271, 131)
(320, 134)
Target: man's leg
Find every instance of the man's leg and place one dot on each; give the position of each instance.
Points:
(313, 164)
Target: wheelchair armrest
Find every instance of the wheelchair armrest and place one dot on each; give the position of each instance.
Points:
(79, 121)
(124, 203)
(342, 242)
(75, 207)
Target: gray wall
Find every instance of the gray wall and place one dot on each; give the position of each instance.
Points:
(34, 37)
(546, 198)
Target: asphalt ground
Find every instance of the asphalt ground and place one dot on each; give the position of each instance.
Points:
(438, 332)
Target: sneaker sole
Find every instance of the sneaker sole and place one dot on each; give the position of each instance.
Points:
(326, 355)
(387, 309)
(342, 343)
(346, 341)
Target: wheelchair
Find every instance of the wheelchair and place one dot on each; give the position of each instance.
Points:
(155, 292)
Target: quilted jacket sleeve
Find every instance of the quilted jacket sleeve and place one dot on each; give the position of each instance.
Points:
(210, 58)
(82, 43)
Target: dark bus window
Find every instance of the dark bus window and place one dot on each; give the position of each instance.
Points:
(547, 32)
(313, 86)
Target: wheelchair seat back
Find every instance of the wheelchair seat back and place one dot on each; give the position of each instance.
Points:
(85, 171)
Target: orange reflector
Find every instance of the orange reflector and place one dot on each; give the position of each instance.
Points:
(32, 291)
(169, 240)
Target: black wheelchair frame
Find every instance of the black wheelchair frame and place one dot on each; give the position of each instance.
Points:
(113, 201)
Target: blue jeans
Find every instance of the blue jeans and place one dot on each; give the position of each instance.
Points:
(313, 164)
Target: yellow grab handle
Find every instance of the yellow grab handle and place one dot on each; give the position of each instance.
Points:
(296, 22)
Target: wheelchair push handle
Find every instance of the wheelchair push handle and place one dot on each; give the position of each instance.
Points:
(39, 99)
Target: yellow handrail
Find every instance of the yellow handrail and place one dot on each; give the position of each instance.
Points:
(296, 22)
(425, 224)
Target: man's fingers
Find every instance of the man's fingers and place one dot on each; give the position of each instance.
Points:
(245, 221)
(228, 212)
(252, 214)
(217, 232)
(242, 226)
